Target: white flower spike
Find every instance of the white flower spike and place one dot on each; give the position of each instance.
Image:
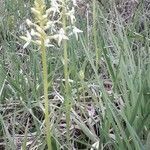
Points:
(52, 24)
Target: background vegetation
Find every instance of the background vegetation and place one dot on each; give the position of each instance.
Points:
(109, 81)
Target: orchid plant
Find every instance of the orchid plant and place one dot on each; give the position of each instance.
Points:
(49, 24)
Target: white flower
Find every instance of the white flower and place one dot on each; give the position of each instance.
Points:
(71, 15)
(54, 8)
(74, 2)
(46, 43)
(76, 31)
(50, 25)
(36, 12)
(29, 23)
(33, 33)
(28, 39)
(60, 36)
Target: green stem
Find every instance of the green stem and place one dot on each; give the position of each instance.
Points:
(66, 75)
(67, 100)
(94, 33)
(45, 80)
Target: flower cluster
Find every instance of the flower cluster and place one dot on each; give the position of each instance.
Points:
(48, 24)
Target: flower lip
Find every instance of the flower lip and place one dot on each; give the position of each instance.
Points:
(28, 39)
(76, 31)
